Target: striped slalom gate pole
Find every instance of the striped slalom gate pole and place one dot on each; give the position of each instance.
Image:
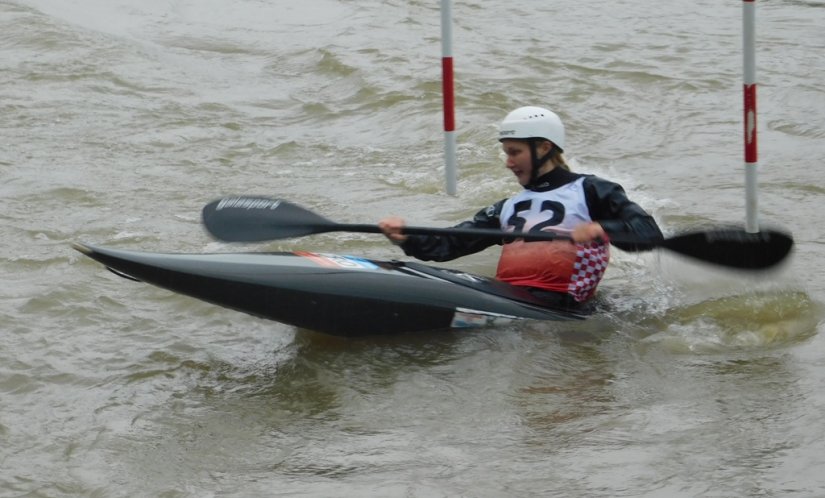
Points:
(449, 95)
(751, 157)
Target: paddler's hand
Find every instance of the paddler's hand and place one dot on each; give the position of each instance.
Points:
(392, 227)
(589, 232)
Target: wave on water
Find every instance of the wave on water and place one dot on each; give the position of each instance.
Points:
(737, 323)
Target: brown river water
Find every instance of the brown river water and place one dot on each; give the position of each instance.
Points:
(119, 120)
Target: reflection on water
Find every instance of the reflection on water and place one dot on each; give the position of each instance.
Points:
(654, 421)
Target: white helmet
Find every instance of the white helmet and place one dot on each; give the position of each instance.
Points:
(532, 122)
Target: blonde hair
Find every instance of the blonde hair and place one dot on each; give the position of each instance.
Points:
(559, 162)
(557, 157)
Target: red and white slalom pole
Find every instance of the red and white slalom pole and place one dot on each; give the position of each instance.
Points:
(751, 157)
(449, 95)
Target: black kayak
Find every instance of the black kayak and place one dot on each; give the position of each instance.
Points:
(334, 294)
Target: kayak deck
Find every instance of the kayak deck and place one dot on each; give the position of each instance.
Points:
(334, 294)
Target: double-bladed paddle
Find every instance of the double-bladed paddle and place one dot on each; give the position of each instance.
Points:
(257, 219)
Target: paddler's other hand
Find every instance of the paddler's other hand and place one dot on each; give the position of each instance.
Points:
(392, 227)
(589, 232)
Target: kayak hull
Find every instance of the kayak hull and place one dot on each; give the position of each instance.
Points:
(333, 294)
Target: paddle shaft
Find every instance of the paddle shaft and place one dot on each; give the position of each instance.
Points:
(456, 232)
(732, 248)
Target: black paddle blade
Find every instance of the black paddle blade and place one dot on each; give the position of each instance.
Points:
(256, 219)
(733, 247)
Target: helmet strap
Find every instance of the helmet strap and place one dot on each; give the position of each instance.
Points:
(538, 162)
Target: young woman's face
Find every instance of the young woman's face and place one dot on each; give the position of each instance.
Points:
(519, 160)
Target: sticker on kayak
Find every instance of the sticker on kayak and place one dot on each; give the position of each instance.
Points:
(467, 318)
(338, 261)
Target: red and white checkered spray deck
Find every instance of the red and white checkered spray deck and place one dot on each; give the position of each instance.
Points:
(591, 263)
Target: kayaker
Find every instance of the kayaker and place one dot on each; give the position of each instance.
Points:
(586, 207)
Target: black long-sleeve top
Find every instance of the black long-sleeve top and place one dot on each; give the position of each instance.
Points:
(606, 201)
